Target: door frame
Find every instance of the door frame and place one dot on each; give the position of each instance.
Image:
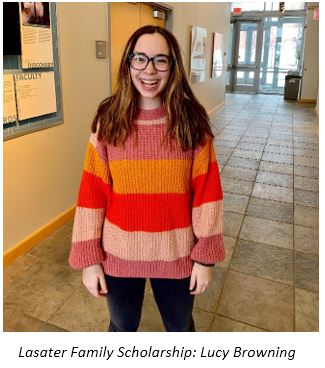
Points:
(234, 66)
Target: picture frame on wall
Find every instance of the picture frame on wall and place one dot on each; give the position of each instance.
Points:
(199, 37)
(217, 55)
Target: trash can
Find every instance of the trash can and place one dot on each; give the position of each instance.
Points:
(292, 85)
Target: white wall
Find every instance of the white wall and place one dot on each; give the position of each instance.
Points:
(309, 87)
(216, 18)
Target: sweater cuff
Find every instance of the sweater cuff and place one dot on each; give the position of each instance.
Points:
(86, 253)
(209, 250)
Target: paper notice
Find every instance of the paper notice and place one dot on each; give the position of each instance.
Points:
(35, 94)
(9, 101)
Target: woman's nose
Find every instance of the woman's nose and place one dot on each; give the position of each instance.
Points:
(150, 68)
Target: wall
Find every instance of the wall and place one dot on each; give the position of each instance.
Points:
(309, 87)
(42, 170)
(216, 18)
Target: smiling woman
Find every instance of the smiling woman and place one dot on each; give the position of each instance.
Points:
(147, 209)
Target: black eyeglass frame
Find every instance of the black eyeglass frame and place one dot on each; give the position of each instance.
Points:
(170, 58)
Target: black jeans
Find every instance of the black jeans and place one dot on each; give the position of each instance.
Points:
(173, 298)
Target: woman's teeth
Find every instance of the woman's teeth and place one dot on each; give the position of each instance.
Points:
(149, 82)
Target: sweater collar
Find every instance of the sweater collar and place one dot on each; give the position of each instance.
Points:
(152, 114)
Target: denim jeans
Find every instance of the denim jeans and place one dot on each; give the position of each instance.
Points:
(125, 298)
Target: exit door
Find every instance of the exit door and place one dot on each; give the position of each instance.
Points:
(244, 62)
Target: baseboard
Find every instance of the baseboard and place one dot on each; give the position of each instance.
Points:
(307, 101)
(215, 108)
(26, 244)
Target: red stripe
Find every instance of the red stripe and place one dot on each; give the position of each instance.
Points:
(118, 267)
(207, 187)
(150, 212)
(93, 193)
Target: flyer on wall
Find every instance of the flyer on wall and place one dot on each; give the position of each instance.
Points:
(9, 101)
(35, 94)
(36, 35)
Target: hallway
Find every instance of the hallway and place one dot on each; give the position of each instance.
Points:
(267, 151)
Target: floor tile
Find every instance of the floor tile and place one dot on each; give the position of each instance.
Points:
(202, 320)
(267, 232)
(264, 261)
(312, 172)
(305, 183)
(277, 157)
(272, 178)
(307, 311)
(232, 223)
(31, 292)
(306, 271)
(306, 216)
(306, 198)
(222, 324)
(270, 210)
(273, 192)
(235, 202)
(306, 239)
(238, 173)
(81, 312)
(251, 154)
(243, 163)
(306, 161)
(208, 301)
(236, 186)
(16, 321)
(258, 302)
(276, 167)
(229, 243)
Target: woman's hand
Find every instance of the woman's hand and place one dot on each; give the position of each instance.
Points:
(200, 278)
(94, 280)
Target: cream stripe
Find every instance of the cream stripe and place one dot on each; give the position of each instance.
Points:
(207, 219)
(87, 224)
(147, 246)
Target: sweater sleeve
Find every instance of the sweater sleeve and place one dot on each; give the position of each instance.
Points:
(207, 209)
(94, 191)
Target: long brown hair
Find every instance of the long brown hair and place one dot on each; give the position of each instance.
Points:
(187, 119)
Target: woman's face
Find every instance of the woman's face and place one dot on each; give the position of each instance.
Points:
(149, 82)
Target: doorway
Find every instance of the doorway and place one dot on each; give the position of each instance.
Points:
(262, 51)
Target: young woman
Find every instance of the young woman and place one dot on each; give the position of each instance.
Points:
(150, 200)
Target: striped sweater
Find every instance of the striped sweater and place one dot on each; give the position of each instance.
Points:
(147, 209)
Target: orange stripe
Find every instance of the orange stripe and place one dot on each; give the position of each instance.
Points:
(151, 176)
(201, 162)
(95, 165)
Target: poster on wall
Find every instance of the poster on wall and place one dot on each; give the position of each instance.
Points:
(9, 100)
(198, 54)
(35, 94)
(36, 35)
(217, 55)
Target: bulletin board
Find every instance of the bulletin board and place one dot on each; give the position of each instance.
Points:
(31, 74)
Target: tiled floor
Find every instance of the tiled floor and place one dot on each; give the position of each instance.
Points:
(268, 155)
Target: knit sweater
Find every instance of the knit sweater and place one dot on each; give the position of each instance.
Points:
(147, 209)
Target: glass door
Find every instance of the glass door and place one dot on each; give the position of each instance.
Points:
(281, 51)
(247, 56)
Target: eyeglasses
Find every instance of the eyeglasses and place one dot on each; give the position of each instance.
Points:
(139, 61)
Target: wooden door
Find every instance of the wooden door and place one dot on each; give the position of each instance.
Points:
(125, 18)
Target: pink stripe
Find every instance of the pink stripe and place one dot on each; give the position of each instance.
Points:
(148, 148)
(152, 114)
(178, 269)
(209, 250)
